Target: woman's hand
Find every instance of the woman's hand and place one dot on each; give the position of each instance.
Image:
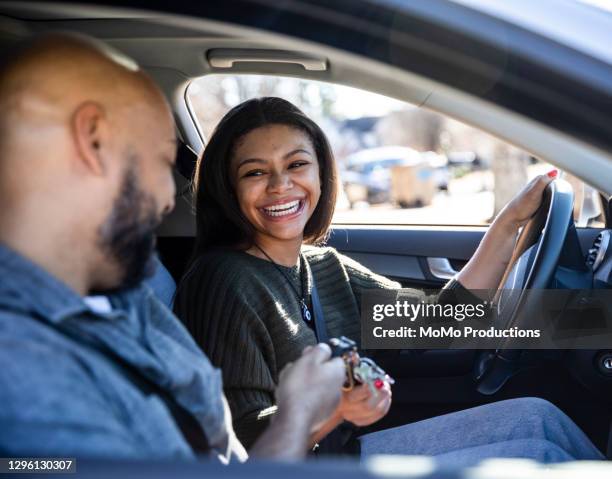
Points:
(362, 407)
(524, 205)
(485, 269)
(359, 406)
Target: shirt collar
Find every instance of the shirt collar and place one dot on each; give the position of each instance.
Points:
(27, 287)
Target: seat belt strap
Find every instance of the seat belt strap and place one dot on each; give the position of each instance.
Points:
(317, 310)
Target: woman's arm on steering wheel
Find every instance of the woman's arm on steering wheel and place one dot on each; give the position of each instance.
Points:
(486, 268)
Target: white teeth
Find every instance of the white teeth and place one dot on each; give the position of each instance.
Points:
(283, 210)
(284, 206)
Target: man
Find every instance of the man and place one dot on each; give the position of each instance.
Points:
(87, 145)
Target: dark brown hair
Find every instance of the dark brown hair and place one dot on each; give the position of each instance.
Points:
(219, 220)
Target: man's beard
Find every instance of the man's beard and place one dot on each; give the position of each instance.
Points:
(127, 236)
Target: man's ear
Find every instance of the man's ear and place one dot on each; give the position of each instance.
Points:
(88, 125)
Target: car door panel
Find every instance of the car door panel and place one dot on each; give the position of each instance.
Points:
(410, 254)
(391, 265)
(402, 253)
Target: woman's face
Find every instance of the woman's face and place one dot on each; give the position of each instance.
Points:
(275, 172)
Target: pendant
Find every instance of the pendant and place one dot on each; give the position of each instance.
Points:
(306, 316)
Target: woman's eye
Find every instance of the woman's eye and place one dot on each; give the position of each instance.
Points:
(297, 164)
(253, 173)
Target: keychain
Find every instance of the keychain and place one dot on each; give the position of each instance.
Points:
(358, 370)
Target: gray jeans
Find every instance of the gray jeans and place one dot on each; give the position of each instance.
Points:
(517, 428)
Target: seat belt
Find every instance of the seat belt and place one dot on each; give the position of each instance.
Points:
(317, 310)
(341, 441)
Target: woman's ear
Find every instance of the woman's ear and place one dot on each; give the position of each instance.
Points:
(88, 125)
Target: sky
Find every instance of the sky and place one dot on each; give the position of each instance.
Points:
(353, 103)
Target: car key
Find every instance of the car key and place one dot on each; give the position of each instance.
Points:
(358, 370)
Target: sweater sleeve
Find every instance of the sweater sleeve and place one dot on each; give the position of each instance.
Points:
(216, 308)
(363, 278)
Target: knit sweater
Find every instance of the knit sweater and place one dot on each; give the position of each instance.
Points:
(245, 315)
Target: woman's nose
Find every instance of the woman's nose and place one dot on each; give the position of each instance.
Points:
(279, 182)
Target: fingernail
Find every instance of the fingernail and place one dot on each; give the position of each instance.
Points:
(379, 383)
(552, 173)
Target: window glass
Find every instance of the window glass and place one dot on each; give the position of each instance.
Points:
(398, 164)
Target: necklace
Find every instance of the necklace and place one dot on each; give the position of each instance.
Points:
(306, 316)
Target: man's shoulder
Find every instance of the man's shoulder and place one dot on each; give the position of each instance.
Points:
(52, 402)
(26, 339)
(38, 366)
(23, 327)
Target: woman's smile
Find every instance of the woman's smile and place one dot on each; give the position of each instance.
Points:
(283, 210)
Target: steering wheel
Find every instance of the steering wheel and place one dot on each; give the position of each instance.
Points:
(532, 266)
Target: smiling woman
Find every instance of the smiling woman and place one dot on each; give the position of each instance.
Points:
(264, 155)
(279, 189)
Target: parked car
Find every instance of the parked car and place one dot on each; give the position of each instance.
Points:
(394, 174)
(464, 158)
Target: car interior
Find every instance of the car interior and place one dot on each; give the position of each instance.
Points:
(175, 50)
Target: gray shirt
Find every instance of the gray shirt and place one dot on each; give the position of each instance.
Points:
(63, 394)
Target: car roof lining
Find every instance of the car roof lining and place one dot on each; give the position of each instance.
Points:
(153, 41)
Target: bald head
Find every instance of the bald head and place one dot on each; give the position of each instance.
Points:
(52, 75)
(87, 143)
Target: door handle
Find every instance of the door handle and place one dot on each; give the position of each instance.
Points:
(441, 268)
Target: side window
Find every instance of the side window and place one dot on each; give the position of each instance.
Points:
(398, 164)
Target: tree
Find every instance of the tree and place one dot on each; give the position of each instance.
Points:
(416, 128)
(509, 167)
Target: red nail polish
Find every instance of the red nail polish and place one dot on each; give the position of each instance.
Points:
(552, 173)
(379, 383)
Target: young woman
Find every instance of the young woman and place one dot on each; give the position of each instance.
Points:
(265, 193)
